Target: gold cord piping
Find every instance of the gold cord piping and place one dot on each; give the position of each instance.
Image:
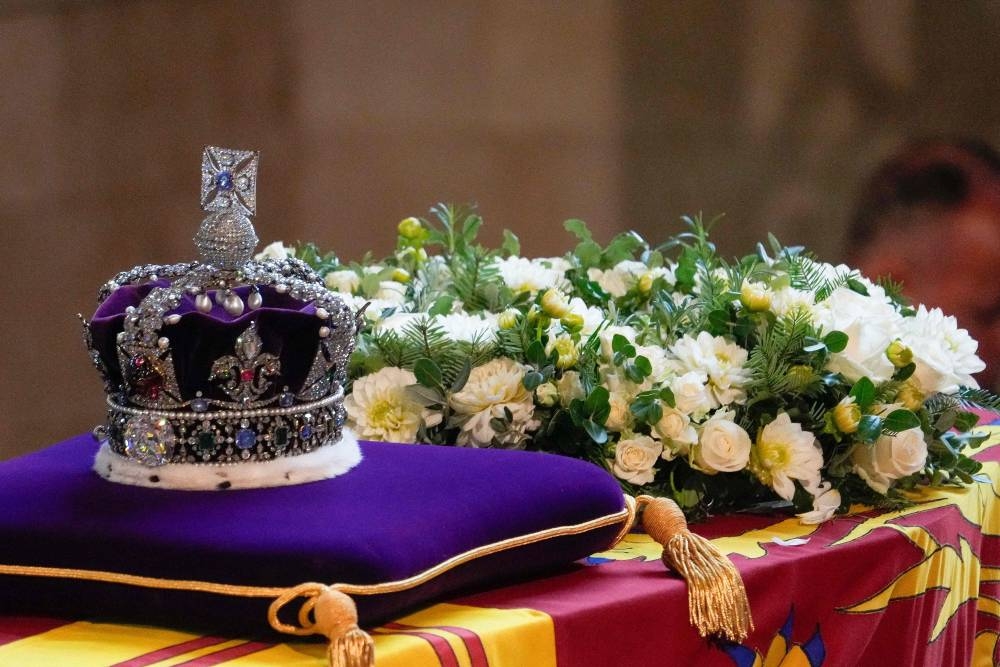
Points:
(352, 589)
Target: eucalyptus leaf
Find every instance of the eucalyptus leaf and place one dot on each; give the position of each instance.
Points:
(836, 341)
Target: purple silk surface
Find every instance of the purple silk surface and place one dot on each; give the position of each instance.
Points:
(404, 509)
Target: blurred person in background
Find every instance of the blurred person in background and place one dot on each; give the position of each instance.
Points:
(929, 218)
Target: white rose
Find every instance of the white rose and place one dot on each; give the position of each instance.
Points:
(635, 458)
(675, 427)
(891, 457)
(871, 324)
(570, 388)
(724, 446)
(342, 280)
(826, 501)
(391, 292)
(620, 417)
(691, 395)
(276, 250)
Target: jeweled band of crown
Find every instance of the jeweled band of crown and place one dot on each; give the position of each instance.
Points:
(227, 360)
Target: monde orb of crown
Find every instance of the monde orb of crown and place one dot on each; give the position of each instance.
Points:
(223, 361)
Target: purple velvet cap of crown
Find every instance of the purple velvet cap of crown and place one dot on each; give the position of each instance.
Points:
(288, 329)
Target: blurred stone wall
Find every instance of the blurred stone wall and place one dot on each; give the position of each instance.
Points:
(624, 114)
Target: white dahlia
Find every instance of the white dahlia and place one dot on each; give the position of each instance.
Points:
(723, 362)
(531, 275)
(493, 389)
(785, 452)
(945, 355)
(379, 407)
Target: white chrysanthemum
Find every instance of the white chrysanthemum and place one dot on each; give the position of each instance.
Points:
(468, 328)
(531, 275)
(492, 389)
(945, 355)
(826, 501)
(379, 407)
(871, 324)
(635, 459)
(788, 301)
(613, 282)
(721, 360)
(276, 250)
(785, 452)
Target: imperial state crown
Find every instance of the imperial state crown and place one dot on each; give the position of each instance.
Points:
(225, 372)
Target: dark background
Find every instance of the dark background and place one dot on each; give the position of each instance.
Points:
(625, 114)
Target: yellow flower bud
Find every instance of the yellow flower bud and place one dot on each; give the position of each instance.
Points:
(572, 322)
(508, 318)
(547, 394)
(910, 396)
(847, 415)
(411, 229)
(401, 275)
(646, 282)
(566, 349)
(899, 354)
(755, 297)
(554, 303)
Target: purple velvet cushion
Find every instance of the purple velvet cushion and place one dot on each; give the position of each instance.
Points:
(404, 509)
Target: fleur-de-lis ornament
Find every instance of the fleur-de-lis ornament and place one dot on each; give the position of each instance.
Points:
(244, 376)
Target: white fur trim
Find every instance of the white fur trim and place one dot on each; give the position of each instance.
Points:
(326, 462)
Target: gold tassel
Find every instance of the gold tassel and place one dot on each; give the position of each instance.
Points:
(717, 599)
(335, 616)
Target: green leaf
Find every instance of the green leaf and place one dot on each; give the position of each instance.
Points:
(535, 353)
(905, 372)
(428, 373)
(870, 428)
(511, 246)
(644, 366)
(965, 421)
(857, 286)
(463, 376)
(620, 343)
(863, 392)
(596, 432)
(442, 305)
(667, 396)
(900, 420)
(598, 400)
(835, 341)
(532, 380)
(718, 321)
(578, 228)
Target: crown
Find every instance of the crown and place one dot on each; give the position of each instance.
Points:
(227, 372)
